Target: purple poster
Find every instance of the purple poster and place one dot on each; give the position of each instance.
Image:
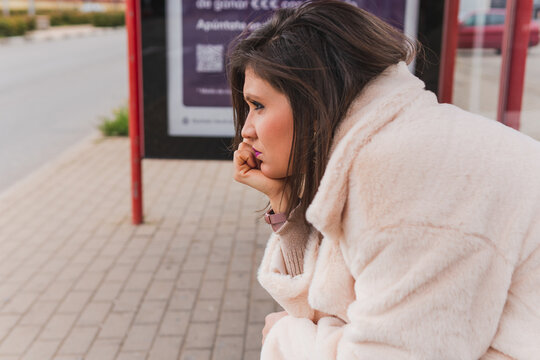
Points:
(209, 25)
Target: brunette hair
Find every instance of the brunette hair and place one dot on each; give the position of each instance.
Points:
(320, 54)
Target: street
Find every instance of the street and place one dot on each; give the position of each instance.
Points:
(53, 93)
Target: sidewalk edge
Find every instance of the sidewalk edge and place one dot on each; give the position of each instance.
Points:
(65, 156)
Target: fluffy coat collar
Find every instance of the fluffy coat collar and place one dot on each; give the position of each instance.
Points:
(375, 107)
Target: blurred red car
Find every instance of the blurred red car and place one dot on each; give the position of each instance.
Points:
(485, 30)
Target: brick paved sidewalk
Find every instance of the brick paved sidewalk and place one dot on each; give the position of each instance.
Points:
(78, 281)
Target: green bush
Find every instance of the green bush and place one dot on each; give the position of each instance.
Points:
(16, 25)
(70, 18)
(108, 19)
(30, 23)
(24, 12)
(118, 125)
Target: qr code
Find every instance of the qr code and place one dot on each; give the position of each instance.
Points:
(209, 58)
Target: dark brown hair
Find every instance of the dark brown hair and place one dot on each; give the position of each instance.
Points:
(320, 54)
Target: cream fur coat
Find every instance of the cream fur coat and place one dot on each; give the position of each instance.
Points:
(430, 218)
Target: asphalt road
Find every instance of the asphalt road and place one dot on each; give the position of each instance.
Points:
(52, 95)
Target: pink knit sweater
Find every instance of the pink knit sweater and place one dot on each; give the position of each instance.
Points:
(293, 239)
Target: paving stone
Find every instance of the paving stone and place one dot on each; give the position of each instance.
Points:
(89, 281)
(241, 263)
(72, 271)
(165, 348)
(94, 314)
(7, 322)
(216, 272)
(18, 340)
(128, 301)
(39, 282)
(112, 249)
(191, 354)
(235, 300)
(132, 356)
(42, 349)
(254, 336)
(39, 313)
(119, 272)
(175, 323)
(74, 302)
(139, 338)
(148, 264)
(168, 271)
(7, 357)
(160, 290)
(79, 340)
(199, 249)
(20, 303)
(150, 312)
(103, 349)
(138, 281)
(259, 309)
(211, 289)
(252, 355)
(157, 247)
(238, 281)
(58, 326)
(228, 348)
(194, 263)
(232, 323)
(182, 300)
(206, 310)
(108, 291)
(200, 335)
(116, 325)
(189, 280)
(258, 292)
(57, 290)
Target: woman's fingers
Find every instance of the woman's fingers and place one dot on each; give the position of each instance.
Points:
(251, 160)
(247, 171)
(243, 161)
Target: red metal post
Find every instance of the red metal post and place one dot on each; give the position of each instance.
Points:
(135, 98)
(514, 57)
(448, 50)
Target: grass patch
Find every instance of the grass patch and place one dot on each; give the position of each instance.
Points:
(118, 124)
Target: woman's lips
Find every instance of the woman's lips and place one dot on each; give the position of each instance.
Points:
(257, 153)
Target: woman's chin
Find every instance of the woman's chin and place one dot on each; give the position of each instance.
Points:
(271, 173)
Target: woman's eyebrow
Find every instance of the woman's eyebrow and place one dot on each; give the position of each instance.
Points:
(250, 97)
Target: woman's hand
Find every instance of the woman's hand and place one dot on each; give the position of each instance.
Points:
(270, 320)
(247, 171)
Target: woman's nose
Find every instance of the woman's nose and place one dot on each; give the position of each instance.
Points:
(248, 131)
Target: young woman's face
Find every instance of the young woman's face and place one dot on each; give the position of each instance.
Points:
(269, 125)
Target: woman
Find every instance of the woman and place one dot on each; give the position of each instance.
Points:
(403, 228)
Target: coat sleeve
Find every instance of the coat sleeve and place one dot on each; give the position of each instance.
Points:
(422, 292)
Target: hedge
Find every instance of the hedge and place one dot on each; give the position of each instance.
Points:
(69, 18)
(16, 25)
(109, 19)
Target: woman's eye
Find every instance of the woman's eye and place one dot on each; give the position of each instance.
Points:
(258, 106)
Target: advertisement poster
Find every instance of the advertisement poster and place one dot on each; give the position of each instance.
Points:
(198, 34)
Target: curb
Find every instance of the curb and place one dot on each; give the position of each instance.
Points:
(68, 155)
